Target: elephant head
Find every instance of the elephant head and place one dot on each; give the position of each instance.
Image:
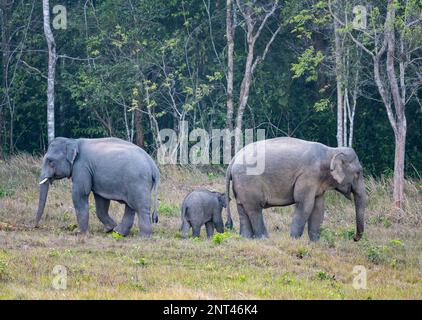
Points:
(222, 200)
(346, 171)
(57, 164)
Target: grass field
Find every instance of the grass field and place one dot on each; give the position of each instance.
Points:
(226, 267)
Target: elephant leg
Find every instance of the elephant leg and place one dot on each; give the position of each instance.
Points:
(184, 229)
(210, 229)
(316, 218)
(101, 208)
(144, 218)
(127, 222)
(303, 210)
(217, 222)
(257, 221)
(245, 223)
(81, 204)
(196, 231)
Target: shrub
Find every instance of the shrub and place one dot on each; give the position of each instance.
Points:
(167, 209)
(347, 234)
(322, 275)
(116, 235)
(302, 252)
(219, 238)
(374, 255)
(141, 262)
(396, 243)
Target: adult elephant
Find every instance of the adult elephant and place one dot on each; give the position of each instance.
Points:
(294, 172)
(112, 169)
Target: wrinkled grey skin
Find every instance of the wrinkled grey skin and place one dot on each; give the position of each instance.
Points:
(112, 169)
(296, 172)
(202, 207)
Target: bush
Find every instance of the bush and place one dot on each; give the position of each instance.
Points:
(167, 209)
(322, 275)
(302, 252)
(219, 238)
(374, 255)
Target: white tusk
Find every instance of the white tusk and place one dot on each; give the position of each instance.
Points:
(44, 181)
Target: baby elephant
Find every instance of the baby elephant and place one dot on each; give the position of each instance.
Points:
(202, 207)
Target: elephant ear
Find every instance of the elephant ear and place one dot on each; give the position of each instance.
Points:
(222, 200)
(72, 151)
(337, 167)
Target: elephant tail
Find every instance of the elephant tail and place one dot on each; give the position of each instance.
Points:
(229, 222)
(184, 228)
(156, 183)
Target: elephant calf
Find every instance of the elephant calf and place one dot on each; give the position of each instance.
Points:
(202, 207)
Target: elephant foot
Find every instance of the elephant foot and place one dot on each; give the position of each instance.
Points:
(122, 231)
(143, 234)
(108, 229)
(295, 237)
(81, 237)
(246, 235)
(313, 237)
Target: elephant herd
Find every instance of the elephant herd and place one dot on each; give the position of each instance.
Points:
(292, 171)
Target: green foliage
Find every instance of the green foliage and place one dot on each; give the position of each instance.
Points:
(307, 64)
(116, 235)
(396, 243)
(322, 275)
(381, 220)
(167, 209)
(322, 105)
(141, 262)
(71, 227)
(374, 254)
(302, 252)
(5, 192)
(219, 238)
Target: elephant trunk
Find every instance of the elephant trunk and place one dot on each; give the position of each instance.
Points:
(44, 184)
(42, 200)
(359, 196)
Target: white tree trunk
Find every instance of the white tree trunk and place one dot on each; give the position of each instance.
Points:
(339, 80)
(52, 58)
(230, 50)
(399, 157)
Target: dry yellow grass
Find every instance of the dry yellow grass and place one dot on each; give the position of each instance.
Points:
(166, 267)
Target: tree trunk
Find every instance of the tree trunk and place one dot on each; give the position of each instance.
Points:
(52, 58)
(339, 80)
(399, 155)
(399, 105)
(139, 128)
(230, 50)
(243, 97)
(5, 48)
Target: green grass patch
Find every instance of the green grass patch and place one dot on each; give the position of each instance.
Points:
(219, 238)
(167, 209)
